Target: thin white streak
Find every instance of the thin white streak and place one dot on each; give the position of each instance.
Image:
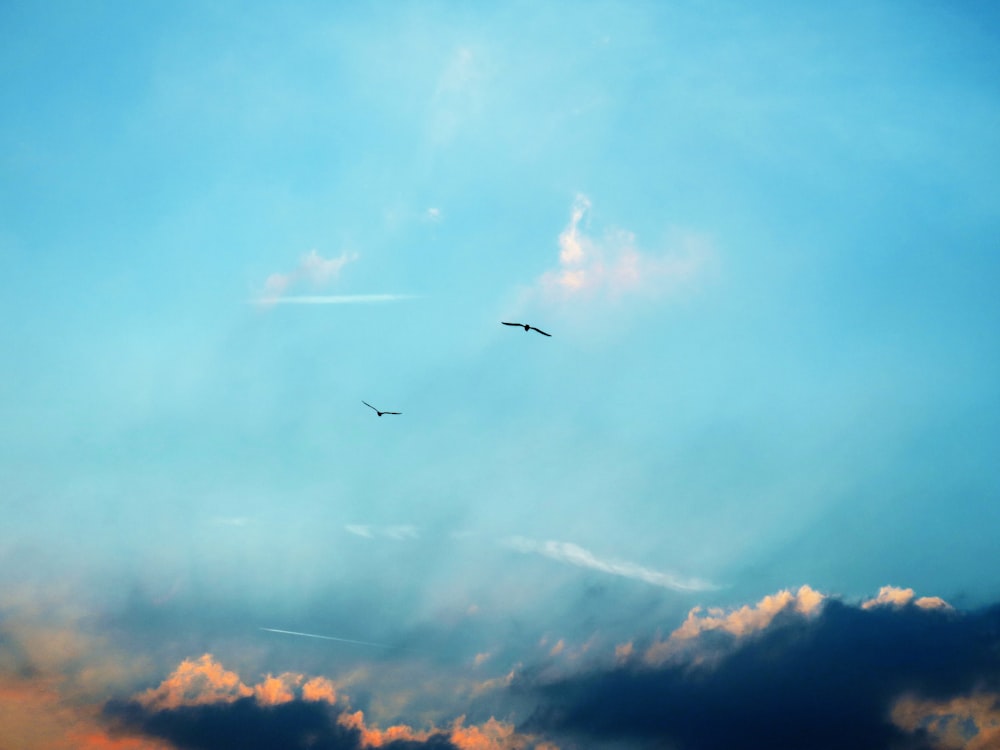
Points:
(332, 299)
(573, 554)
(326, 637)
(399, 532)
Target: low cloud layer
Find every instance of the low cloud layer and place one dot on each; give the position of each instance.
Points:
(798, 668)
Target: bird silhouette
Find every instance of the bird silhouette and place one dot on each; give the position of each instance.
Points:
(380, 413)
(526, 327)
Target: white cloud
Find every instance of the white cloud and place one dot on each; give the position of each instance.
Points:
(613, 266)
(573, 554)
(398, 532)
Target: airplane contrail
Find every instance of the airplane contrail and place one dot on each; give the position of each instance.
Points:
(327, 638)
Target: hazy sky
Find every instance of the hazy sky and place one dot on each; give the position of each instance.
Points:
(764, 239)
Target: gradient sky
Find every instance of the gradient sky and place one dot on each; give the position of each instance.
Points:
(764, 240)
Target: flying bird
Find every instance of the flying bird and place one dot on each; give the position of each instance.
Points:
(380, 413)
(526, 327)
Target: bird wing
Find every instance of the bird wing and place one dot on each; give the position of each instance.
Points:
(369, 405)
(519, 325)
(392, 412)
(540, 331)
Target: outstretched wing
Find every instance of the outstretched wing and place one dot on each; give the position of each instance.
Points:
(519, 325)
(370, 406)
(540, 331)
(392, 412)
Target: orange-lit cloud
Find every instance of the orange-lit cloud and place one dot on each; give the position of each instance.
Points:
(196, 682)
(739, 622)
(202, 681)
(319, 689)
(624, 651)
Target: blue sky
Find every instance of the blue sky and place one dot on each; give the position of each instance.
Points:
(763, 240)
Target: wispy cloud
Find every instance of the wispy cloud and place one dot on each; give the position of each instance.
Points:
(573, 554)
(612, 265)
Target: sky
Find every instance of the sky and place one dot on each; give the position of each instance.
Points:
(745, 493)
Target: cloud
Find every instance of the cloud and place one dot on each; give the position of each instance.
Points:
(196, 682)
(397, 532)
(892, 596)
(53, 676)
(612, 266)
(202, 705)
(313, 270)
(794, 670)
(739, 622)
(969, 722)
(573, 554)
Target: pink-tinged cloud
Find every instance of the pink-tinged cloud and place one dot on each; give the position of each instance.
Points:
(897, 597)
(969, 722)
(313, 270)
(739, 622)
(612, 265)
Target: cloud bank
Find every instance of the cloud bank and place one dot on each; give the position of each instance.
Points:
(795, 670)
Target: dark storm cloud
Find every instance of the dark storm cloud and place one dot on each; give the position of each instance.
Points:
(249, 725)
(823, 681)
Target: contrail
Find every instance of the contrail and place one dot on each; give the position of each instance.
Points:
(327, 638)
(332, 299)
